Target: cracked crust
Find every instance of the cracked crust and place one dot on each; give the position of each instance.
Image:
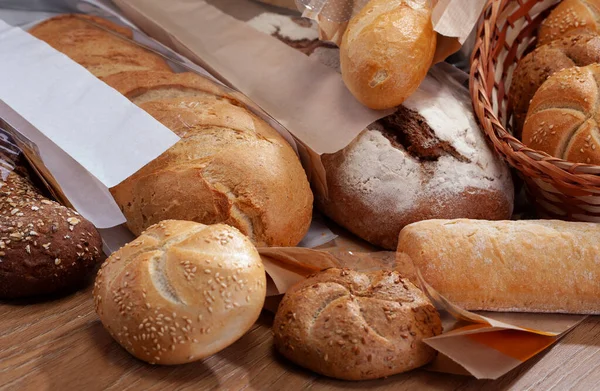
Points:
(169, 296)
(356, 326)
(229, 167)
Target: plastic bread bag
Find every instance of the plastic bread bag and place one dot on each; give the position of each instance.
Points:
(82, 166)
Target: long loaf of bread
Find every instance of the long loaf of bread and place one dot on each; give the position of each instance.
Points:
(520, 266)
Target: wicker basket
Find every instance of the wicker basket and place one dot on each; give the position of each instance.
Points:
(558, 189)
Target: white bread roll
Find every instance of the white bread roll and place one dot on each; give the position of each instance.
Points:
(386, 51)
(181, 291)
(520, 266)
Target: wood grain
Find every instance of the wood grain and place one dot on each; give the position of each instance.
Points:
(61, 345)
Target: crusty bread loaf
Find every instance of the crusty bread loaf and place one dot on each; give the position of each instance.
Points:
(230, 166)
(386, 51)
(44, 247)
(570, 16)
(428, 160)
(563, 116)
(99, 51)
(181, 291)
(146, 86)
(356, 326)
(533, 69)
(523, 266)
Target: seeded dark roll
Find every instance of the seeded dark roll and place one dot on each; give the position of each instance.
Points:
(356, 326)
(44, 247)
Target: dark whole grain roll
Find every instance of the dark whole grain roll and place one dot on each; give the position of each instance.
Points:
(44, 247)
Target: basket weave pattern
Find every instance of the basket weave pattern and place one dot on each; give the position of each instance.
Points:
(558, 189)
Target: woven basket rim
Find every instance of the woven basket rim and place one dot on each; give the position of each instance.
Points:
(503, 140)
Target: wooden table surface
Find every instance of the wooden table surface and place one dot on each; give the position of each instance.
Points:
(61, 345)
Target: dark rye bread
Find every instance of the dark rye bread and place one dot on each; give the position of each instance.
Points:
(356, 326)
(536, 67)
(44, 247)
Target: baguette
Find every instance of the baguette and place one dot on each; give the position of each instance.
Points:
(513, 266)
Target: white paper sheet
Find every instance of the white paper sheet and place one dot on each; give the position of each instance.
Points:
(77, 121)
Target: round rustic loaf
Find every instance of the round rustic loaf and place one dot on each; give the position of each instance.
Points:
(45, 247)
(181, 291)
(229, 167)
(99, 51)
(570, 16)
(386, 51)
(563, 116)
(572, 50)
(428, 160)
(356, 326)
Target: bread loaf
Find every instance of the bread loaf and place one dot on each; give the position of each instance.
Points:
(570, 17)
(230, 166)
(523, 266)
(533, 69)
(386, 51)
(356, 326)
(99, 51)
(563, 116)
(428, 160)
(44, 247)
(181, 291)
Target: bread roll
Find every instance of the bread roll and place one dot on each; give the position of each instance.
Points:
(356, 326)
(569, 16)
(562, 118)
(521, 266)
(99, 51)
(386, 51)
(181, 291)
(533, 69)
(44, 247)
(230, 166)
(428, 160)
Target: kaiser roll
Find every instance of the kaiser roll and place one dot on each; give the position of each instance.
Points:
(563, 116)
(533, 69)
(356, 326)
(569, 16)
(181, 291)
(386, 51)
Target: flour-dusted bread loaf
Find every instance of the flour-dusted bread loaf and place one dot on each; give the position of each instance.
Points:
(229, 167)
(563, 116)
(99, 51)
(570, 17)
(45, 247)
(522, 266)
(533, 69)
(181, 291)
(428, 160)
(356, 326)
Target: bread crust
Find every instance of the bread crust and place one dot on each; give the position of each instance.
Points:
(563, 116)
(45, 247)
(536, 67)
(180, 292)
(97, 50)
(356, 326)
(570, 16)
(387, 50)
(511, 266)
(230, 167)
